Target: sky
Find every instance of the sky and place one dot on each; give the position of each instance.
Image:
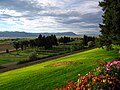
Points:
(78, 16)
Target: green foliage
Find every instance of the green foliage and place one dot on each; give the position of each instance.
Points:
(86, 39)
(110, 28)
(32, 43)
(77, 45)
(65, 40)
(16, 45)
(32, 56)
(46, 41)
(91, 44)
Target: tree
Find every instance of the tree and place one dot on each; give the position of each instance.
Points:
(26, 44)
(85, 40)
(54, 40)
(61, 40)
(48, 42)
(65, 39)
(32, 43)
(40, 41)
(16, 45)
(110, 28)
(21, 45)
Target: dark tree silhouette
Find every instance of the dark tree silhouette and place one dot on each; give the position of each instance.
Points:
(110, 28)
(65, 40)
(48, 42)
(32, 43)
(54, 40)
(21, 45)
(85, 40)
(16, 45)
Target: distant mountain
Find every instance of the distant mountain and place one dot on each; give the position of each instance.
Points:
(94, 34)
(25, 34)
(60, 34)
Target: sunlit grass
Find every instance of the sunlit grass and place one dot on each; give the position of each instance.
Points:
(45, 77)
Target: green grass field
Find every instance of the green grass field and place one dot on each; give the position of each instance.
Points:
(44, 76)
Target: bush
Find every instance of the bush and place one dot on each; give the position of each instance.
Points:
(32, 56)
(91, 44)
(77, 45)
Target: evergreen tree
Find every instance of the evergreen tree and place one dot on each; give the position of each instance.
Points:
(40, 40)
(110, 28)
(85, 40)
(65, 39)
(54, 40)
(61, 40)
(48, 42)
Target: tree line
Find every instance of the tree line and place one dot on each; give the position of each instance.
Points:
(49, 41)
(42, 41)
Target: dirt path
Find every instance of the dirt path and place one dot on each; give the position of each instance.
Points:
(9, 64)
(14, 65)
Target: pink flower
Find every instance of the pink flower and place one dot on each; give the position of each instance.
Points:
(109, 64)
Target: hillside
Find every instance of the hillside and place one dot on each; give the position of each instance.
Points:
(52, 74)
(25, 34)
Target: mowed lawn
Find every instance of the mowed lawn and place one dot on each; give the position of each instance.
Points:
(47, 76)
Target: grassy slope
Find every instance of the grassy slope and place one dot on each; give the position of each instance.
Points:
(43, 77)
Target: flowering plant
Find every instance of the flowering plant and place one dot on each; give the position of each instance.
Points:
(106, 77)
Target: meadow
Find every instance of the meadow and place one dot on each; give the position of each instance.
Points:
(54, 73)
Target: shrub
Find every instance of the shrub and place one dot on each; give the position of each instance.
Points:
(90, 44)
(32, 56)
(77, 45)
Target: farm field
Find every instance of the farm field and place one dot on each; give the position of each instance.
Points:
(3, 47)
(41, 52)
(52, 74)
(17, 56)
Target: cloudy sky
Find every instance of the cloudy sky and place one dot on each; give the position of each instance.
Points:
(79, 16)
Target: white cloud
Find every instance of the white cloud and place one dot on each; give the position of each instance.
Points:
(50, 15)
(10, 12)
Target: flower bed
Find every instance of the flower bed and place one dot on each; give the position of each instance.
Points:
(105, 77)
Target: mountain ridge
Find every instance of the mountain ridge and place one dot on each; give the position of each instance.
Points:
(26, 34)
